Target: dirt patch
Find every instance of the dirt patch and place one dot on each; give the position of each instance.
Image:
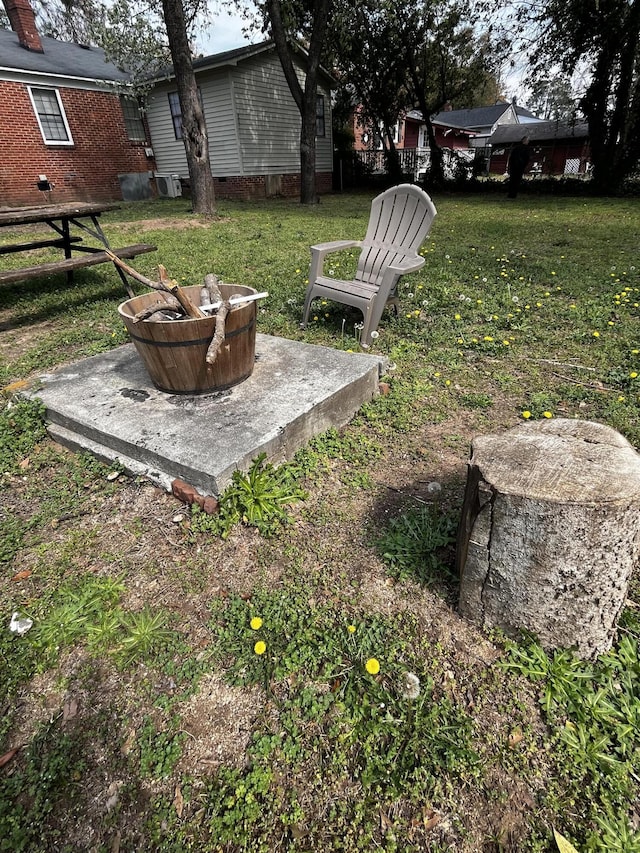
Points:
(178, 224)
(218, 722)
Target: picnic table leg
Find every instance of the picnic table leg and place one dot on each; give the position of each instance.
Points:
(100, 235)
(66, 240)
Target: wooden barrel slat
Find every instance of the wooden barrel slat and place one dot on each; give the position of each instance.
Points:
(174, 351)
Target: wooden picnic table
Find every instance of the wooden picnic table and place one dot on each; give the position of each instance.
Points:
(64, 219)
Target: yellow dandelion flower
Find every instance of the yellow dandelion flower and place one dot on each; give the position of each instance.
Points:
(596, 334)
(372, 666)
(547, 415)
(351, 629)
(256, 623)
(526, 414)
(507, 343)
(260, 647)
(457, 317)
(633, 374)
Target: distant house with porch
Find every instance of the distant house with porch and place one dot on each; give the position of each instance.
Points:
(458, 129)
(253, 125)
(557, 148)
(460, 133)
(63, 123)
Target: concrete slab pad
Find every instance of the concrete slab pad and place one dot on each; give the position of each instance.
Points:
(108, 406)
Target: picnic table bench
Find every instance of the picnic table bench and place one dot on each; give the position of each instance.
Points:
(61, 218)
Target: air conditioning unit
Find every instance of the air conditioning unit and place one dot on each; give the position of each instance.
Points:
(168, 186)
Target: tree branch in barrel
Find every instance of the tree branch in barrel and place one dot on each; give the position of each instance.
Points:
(168, 302)
(211, 285)
(156, 285)
(174, 288)
(218, 335)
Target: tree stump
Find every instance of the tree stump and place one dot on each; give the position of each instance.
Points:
(550, 532)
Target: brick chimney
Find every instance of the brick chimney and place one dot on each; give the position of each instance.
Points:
(23, 23)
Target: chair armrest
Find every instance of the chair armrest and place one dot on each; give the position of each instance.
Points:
(411, 263)
(321, 250)
(408, 264)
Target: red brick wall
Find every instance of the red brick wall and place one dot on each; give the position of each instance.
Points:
(254, 187)
(86, 171)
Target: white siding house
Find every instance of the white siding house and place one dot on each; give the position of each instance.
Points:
(252, 122)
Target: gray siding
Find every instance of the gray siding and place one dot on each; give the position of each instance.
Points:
(217, 101)
(252, 122)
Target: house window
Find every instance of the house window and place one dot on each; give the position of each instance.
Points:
(133, 119)
(51, 116)
(176, 112)
(320, 129)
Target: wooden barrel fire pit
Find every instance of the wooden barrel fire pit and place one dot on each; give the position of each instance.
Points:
(174, 351)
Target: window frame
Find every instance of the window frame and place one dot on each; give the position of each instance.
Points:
(132, 103)
(174, 101)
(62, 115)
(176, 117)
(321, 125)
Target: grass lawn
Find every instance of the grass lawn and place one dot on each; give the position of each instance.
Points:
(297, 678)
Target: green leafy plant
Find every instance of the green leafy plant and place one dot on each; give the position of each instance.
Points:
(22, 427)
(159, 751)
(413, 545)
(76, 607)
(260, 498)
(145, 633)
(41, 782)
(595, 709)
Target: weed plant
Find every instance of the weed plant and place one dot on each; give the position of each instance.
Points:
(415, 544)
(594, 712)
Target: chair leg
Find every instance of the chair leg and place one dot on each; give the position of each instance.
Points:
(372, 317)
(308, 299)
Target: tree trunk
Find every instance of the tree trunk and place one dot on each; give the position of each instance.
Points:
(305, 98)
(194, 128)
(435, 173)
(308, 189)
(550, 532)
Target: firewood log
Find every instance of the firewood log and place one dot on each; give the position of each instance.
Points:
(168, 302)
(218, 335)
(174, 288)
(211, 284)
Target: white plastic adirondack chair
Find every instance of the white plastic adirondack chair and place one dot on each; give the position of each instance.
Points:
(400, 219)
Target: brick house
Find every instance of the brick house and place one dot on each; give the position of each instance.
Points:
(63, 120)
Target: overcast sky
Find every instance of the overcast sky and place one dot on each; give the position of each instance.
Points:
(225, 34)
